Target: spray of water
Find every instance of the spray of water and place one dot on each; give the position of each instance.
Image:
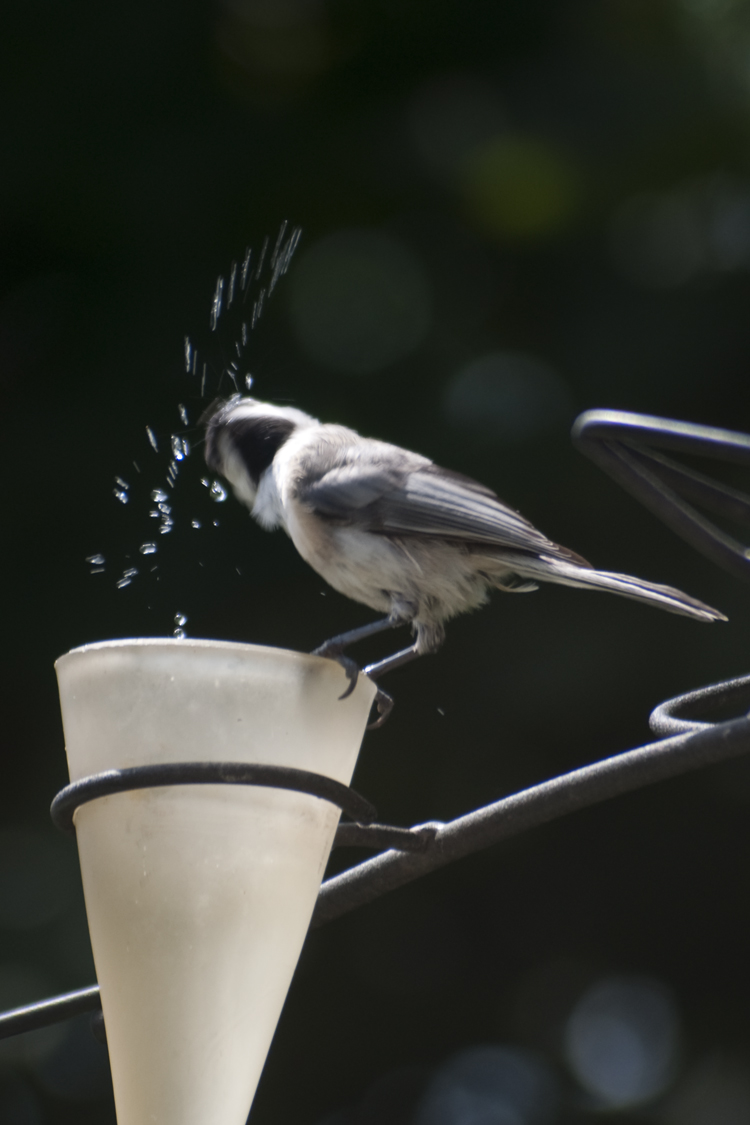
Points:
(237, 304)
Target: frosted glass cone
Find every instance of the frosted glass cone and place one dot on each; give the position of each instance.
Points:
(199, 897)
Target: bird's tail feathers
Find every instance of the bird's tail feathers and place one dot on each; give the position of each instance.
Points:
(551, 569)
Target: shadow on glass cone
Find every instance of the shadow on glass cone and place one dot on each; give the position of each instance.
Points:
(199, 897)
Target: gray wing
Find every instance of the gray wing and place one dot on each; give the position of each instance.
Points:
(403, 495)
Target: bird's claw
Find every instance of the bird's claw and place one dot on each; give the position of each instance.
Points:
(352, 673)
(332, 652)
(384, 703)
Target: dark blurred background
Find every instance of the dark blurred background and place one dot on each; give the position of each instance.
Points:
(512, 210)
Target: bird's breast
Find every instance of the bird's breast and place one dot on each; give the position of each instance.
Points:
(358, 564)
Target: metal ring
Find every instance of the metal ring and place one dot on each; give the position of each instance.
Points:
(207, 773)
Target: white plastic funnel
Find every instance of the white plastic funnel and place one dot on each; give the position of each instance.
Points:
(199, 897)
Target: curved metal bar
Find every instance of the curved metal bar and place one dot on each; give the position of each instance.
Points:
(623, 445)
(664, 433)
(445, 843)
(207, 773)
(706, 705)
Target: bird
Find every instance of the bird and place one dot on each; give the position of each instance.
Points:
(392, 530)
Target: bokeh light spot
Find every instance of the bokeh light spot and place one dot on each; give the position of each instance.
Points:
(273, 50)
(489, 1086)
(359, 301)
(621, 1040)
(663, 240)
(521, 187)
(509, 396)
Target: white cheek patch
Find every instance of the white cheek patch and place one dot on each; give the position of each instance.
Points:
(267, 509)
(234, 469)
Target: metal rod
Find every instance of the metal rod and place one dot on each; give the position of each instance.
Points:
(46, 1012)
(509, 817)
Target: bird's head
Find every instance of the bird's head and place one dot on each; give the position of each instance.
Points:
(244, 435)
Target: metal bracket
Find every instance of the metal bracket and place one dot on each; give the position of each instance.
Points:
(625, 445)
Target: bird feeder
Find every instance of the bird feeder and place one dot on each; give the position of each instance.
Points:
(199, 896)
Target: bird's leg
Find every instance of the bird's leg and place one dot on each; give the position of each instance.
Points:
(334, 648)
(390, 662)
(336, 645)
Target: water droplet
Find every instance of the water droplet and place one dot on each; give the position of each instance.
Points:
(130, 572)
(97, 570)
(154, 514)
(188, 353)
(165, 509)
(183, 414)
(180, 619)
(246, 267)
(216, 305)
(136, 466)
(195, 523)
(205, 482)
(166, 527)
(177, 451)
(248, 380)
(186, 447)
(152, 438)
(122, 483)
(158, 494)
(217, 492)
(121, 582)
(147, 548)
(121, 495)
(179, 634)
(96, 560)
(216, 523)
(238, 571)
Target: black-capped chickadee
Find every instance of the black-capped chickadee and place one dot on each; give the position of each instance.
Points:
(391, 529)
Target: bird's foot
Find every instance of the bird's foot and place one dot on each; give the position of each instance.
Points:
(331, 651)
(352, 672)
(384, 703)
